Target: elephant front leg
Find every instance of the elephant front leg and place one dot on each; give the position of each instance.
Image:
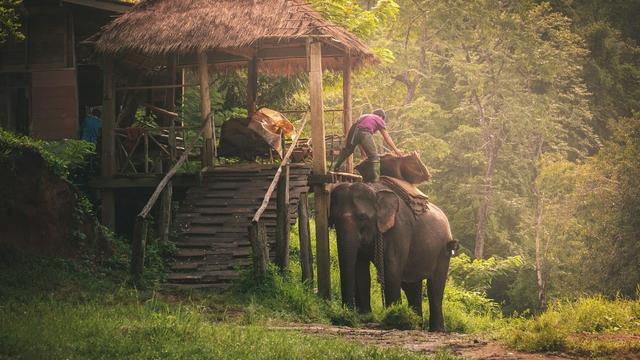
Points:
(363, 286)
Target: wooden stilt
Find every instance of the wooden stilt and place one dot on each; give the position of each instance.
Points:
(139, 242)
(108, 157)
(259, 249)
(167, 193)
(252, 85)
(321, 197)
(282, 221)
(306, 255)
(346, 104)
(205, 110)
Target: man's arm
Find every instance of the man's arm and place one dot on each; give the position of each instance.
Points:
(389, 141)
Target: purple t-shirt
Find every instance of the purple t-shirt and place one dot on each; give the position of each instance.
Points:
(371, 123)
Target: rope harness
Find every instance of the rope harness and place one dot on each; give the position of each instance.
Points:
(378, 261)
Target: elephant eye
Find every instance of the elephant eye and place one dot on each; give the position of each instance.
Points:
(362, 217)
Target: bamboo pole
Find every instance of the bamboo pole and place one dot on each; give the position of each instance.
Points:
(167, 193)
(205, 109)
(282, 220)
(252, 85)
(108, 157)
(347, 102)
(319, 168)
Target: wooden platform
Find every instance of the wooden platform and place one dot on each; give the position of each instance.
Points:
(213, 244)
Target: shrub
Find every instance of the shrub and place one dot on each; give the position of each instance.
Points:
(401, 317)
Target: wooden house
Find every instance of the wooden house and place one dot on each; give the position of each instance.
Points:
(50, 77)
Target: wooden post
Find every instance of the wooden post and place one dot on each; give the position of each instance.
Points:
(319, 168)
(108, 157)
(139, 242)
(346, 104)
(252, 85)
(167, 194)
(259, 249)
(306, 255)
(205, 110)
(282, 221)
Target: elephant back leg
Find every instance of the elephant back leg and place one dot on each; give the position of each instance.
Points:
(414, 295)
(435, 291)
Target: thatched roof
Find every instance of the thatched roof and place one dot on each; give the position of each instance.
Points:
(276, 29)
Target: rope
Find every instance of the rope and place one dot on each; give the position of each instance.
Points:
(378, 260)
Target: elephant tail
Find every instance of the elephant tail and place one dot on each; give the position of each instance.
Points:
(452, 246)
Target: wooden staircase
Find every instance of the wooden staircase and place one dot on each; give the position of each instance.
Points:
(212, 242)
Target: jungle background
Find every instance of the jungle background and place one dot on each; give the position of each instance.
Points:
(525, 112)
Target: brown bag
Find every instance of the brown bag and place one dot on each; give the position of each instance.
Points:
(408, 168)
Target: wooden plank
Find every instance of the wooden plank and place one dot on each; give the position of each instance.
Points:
(205, 111)
(282, 221)
(319, 168)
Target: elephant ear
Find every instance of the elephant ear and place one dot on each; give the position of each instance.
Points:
(387, 206)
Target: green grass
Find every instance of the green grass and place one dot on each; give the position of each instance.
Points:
(154, 329)
(590, 326)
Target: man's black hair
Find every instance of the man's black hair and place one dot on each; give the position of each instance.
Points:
(380, 113)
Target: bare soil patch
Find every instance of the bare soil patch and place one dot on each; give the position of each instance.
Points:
(468, 346)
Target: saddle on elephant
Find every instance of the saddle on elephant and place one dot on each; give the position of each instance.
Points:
(400, 174)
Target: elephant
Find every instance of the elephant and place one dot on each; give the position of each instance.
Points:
(416, 247)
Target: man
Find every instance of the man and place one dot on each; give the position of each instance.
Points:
(361, 134)
(91, 127)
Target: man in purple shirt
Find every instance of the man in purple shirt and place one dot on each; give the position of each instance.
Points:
(361, 134)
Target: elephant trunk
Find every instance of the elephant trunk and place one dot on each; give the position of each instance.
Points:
(348, 244)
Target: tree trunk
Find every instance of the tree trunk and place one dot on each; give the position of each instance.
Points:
(485, 203)
(491, 145)
(538, 200)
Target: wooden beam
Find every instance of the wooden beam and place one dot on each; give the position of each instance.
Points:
(205, 110)
(161, 111)
(252, 85)
(282, 221)
(306, 255)
(346, 104)
(319, 168)
(108, 157)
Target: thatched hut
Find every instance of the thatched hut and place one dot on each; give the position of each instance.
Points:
(275, 36)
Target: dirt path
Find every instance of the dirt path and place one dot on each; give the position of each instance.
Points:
(468, 346)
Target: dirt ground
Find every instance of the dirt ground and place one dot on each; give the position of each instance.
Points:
(468, 346)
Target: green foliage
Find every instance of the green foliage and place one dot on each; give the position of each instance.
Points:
(280, 296)
(561, 327)
(350, 15)
(10, 21)
(401, 317)
(62, 157)
(468, 311)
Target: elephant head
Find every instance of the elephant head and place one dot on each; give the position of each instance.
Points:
(359, 213)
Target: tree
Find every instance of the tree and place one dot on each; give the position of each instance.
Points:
(9, 20)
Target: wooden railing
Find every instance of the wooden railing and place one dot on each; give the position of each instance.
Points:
(141, 224)
(257, 229)
(147, 150)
